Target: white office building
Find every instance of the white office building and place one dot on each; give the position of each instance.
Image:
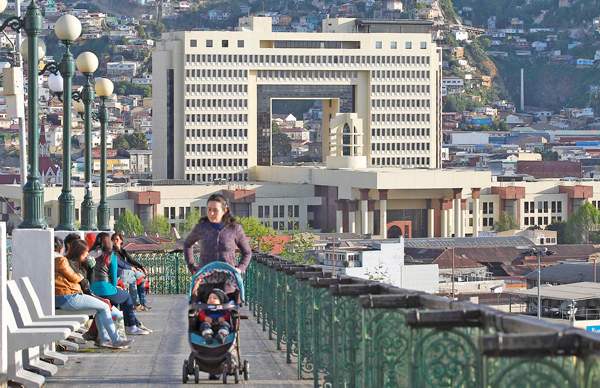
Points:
(213, 90)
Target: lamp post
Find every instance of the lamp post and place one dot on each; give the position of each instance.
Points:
(104, 88)
(539, 252)
(33, 192)
(68, 29)
(87, 63)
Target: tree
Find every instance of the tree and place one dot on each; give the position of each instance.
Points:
(255, 230)
(131, 141)
(282, 145)
(301, 243)
(121, 143)
(582, 223)
(560, 227)
(129, 224)
(159, 225)
(506, 222)
(190, 222)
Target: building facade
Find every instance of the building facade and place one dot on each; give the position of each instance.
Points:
(213, 93)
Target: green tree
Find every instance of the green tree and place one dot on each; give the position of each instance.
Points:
(299, 246)
(190, 222)
(129, 224)
(282, 144)
(131, 141)
(121, 143)
(560, 227)
(159, 225)
(547, 154)
(255, 230)
(506, 222)
(582, 223)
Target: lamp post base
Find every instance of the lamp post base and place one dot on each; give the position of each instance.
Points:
(88, 216)
(66, 212)
(33, 206)
(103, 217)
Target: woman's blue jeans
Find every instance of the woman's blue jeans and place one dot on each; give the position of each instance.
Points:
(103, 316)
(137, 292)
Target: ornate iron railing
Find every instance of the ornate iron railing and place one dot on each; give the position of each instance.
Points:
(167, 272)
(349, 333)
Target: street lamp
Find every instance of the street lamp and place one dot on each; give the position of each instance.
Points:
(33, 192)
(539, 252)
(104, 88)
(87, 63)
(68, 29)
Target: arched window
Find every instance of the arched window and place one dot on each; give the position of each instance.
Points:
(346, 140)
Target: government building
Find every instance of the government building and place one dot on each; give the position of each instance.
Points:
(213, 90)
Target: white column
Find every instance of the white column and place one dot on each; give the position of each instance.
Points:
(364, 218)
(371, 222)
(444, 223)
(457, 214)
(463, 231)
(476, 220)
(431, 223)
(33, 256)
(339, 221)
(352, 222)
(383, 218)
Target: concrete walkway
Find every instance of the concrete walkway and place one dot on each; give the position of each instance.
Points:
(156, 360)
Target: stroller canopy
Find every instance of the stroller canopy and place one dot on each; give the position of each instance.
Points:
(217, 273)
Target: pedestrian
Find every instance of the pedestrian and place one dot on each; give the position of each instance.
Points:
(132, 273)
(218, 235)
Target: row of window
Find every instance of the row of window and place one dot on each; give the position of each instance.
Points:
(306, 74)
(239, 177)
(218, 73)
(394, 45)
(293, 211)
(542, 207)
(216, 88)
(212, 133)
(402, 162)
(394, 89)
(391, 104)
(487, 221)
(219, 147)
(280, 225)
(231, 118)
(403, 118)
(530, 221)
(400, 75)
(214, 103)
(184, 212)
(256, 59)
(378, 132)
(400, 146)
(216, 163)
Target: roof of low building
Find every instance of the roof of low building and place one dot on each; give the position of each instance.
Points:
(468, 242)
(566, 273)
(574, 291)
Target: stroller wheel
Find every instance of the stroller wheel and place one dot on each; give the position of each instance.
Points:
(224, 373)
(196, 374)
(185, 372)
(236, 374)
(246, 370)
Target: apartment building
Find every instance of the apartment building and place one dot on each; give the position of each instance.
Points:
(213, 90)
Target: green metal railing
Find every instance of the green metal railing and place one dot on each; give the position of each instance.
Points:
(167, 272)
(350, 333)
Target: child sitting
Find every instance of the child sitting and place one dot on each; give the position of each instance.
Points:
(215, 318)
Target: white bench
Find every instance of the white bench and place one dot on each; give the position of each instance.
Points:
(20, 339)
(37, 315)
(24, 320)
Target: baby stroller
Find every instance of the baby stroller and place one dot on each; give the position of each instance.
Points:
(216, 358)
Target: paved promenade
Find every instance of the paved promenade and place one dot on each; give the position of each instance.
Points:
(156, 360)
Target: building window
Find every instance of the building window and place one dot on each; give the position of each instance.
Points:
(423, 45)
(267, 211)
(485, 221)
(394, 45)
(553, 206)
(378, 45)
(209, 43)
(240, 43)
(491, 222)
(225, 43)
(193, 43)
(260, 212)
(559, 206)
(408, 45)
(526, 208)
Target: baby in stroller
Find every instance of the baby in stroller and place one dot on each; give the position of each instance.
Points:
(214, 319)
